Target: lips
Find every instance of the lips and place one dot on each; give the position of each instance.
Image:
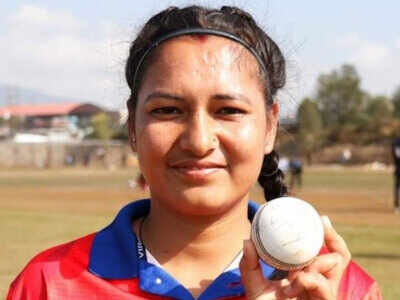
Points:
(197, 171)
(197, 165)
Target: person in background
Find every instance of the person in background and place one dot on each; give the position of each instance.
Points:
(296, 172)
(283, 164)
(346, 156)
(396, 160)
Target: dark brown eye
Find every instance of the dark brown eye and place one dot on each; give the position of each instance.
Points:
(167, 110)
(230, 111)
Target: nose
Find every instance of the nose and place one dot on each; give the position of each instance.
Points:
(199, 136)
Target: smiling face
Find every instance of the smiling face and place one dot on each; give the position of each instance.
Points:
(201, 125)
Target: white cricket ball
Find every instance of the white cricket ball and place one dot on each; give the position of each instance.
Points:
(287, 233)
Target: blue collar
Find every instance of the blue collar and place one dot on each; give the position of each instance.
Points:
(116, 254)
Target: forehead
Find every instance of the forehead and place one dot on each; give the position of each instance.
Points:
(210, 45)
(203, 55)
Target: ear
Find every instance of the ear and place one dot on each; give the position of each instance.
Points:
(272, 127)
(132, 133)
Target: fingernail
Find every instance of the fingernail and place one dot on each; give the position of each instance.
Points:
(326, 221)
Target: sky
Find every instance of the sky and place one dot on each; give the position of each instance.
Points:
(77, 49)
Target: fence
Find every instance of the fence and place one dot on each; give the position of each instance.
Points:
(55, 155)
(357, 154)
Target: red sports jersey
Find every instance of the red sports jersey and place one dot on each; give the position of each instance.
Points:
(108, 265)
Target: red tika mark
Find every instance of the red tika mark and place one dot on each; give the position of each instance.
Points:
(201, 37)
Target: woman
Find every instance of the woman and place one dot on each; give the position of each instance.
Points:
(203, 119)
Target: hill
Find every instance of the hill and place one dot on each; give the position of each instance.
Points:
(13, 95)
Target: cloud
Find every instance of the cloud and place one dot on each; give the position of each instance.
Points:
(54, 52)
(349, 40)
(378, 63)
(397, 43)
(362, 52)
(33, 17)
(371, 55)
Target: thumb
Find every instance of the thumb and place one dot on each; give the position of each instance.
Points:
(252, 278)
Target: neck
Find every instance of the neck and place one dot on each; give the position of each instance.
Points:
(171, 236)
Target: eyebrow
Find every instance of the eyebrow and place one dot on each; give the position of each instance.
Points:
(230, 96)
(163, 95)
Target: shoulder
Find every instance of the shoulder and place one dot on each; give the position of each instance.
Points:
(358, 284)
(59, 261)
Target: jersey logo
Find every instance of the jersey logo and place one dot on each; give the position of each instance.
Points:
(140, 249)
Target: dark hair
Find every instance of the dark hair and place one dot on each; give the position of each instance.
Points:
(229, 19)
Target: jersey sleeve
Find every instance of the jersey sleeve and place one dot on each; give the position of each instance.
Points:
(29, 285)
(356, 284)
(373, 293)
(54, 272)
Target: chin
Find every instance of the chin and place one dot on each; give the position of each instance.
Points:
(197, 201)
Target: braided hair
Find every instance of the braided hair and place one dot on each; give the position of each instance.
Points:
(229, 19)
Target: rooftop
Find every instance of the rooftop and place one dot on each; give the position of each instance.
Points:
(51, 109)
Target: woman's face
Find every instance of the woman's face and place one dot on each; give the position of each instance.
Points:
(201, 125)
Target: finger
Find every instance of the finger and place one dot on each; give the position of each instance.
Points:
(324, 264)
(329, 265)
(293, 274)
(250, 256)
(314, 284)
(334, 242)
(252, 278)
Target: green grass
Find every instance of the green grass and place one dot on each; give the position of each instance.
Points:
(377, 250)
(66, 178)
(45, 230)
(348, 179)
(40, 209)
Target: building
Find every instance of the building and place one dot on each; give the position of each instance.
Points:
(50, 122)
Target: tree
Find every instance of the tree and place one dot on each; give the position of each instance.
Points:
(339, 96)
(101, 124)
(310, 127)
(120, 133)
(15, 123)
(396, 102)
(379, 109)
(380, 116)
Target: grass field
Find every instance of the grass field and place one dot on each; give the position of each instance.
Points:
(39, 209)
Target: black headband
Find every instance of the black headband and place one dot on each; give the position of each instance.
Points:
(189, 31)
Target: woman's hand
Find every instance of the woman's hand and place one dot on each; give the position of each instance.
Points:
(318, 281)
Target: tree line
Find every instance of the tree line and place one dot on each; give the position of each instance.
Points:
(341, 112)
